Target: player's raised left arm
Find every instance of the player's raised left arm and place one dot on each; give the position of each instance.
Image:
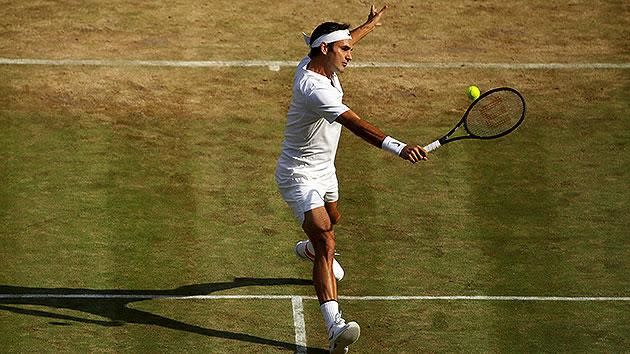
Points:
(376, 137)
(373, 20)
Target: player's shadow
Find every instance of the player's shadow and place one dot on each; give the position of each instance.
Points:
(116, 308)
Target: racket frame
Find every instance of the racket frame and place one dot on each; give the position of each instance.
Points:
(447, 139)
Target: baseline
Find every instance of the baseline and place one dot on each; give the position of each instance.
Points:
(348, 298)
(275, 65)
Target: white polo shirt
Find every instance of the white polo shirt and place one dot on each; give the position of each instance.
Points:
(311, 134)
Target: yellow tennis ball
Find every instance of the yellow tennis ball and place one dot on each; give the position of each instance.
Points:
(473, 92)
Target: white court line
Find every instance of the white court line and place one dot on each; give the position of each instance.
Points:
(298, 324)
(275, 65)
(291, 297)
(297, 302)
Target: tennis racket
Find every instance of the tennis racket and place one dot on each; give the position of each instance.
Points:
(494, 114)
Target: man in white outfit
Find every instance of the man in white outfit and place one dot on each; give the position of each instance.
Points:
(305, 172)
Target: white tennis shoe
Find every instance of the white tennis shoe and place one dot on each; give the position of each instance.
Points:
(341, 335)
(304, 250)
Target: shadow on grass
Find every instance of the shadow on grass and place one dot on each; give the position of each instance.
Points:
(116, 309)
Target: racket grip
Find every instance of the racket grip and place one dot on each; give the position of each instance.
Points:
(434, 145)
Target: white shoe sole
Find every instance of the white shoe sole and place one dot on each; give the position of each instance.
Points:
(348, 335)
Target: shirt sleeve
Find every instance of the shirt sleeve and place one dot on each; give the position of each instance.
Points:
(327, 103)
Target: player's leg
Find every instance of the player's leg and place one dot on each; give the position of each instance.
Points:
(309, 206)
(319, 229)
(331, 198)
(333, 212)
(305, 250)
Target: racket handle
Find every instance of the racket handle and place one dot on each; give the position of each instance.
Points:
(434, 145)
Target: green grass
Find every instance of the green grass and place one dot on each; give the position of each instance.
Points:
(160, 181)
(150, 201)
(173, 326)
(400, 327)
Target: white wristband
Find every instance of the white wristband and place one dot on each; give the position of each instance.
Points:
(392, 145)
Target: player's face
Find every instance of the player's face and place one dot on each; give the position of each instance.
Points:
(340, 55)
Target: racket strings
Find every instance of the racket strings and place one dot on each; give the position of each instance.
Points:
(495, 114)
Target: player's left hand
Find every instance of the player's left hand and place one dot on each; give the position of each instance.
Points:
(414, 154)
(376, 15)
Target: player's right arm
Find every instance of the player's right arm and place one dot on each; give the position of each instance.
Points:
(376, 137)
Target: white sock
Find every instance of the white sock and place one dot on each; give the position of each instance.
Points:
(330, 311)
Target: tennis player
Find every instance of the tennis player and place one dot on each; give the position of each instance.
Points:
(305, 172)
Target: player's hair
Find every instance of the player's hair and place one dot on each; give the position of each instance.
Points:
(322, 29)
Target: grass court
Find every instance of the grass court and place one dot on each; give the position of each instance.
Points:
(139, 214)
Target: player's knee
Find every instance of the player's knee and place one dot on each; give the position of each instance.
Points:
(334, 218)
(322, 237)
(333, 213)
(324, 244)
(317, 226)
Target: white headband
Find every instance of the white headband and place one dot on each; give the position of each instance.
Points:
(327, 38)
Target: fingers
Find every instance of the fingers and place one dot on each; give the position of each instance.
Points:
(416, 154)
(376, 14)
(424, 153)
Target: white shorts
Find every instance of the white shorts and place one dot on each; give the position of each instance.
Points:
(304, 195)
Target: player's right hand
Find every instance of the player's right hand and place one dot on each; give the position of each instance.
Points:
(414, 154)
